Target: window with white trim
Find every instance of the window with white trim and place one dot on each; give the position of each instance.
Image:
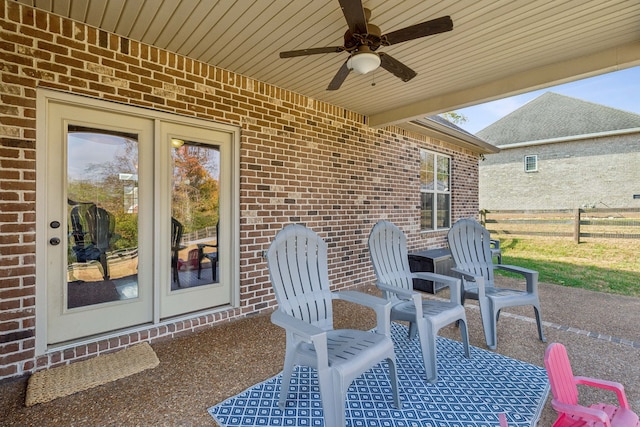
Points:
(531, 163)
(435, 191)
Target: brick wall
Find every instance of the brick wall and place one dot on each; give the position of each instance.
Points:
(594, 172)
(302, 161)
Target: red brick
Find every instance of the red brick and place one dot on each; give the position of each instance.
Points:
(324, 154)
(36, 33)
(8, 371)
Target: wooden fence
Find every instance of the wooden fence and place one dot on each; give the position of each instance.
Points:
(199, 235)
(576, 224)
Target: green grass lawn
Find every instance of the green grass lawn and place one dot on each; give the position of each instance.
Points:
(605, 265)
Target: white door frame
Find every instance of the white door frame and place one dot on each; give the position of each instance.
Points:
(47, 96)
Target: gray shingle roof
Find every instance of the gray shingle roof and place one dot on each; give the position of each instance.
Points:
(556, 116)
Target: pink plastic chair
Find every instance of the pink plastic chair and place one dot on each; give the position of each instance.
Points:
(565, 396)
(191, 263)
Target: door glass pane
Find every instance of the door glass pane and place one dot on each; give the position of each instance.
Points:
(195, 214)
(102, 209)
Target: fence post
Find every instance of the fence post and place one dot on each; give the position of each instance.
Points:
(483, 217)
(576, 226)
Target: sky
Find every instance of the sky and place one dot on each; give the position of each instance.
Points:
(619, 89)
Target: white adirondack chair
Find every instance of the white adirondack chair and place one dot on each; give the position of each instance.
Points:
(471, 251)
(297, 260)
(388, 250)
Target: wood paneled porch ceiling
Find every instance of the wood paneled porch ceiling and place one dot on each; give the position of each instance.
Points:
(497, 47)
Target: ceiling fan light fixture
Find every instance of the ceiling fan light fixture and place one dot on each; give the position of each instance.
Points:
(363, 62)
(176, 143)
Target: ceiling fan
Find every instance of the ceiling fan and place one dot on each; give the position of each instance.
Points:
(362, 40)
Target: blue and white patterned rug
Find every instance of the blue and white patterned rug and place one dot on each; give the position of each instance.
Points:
(468, 393)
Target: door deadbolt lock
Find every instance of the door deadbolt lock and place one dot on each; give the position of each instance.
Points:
(54, 241)
(55, 224)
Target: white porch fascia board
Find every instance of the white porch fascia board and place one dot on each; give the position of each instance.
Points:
(613, 59)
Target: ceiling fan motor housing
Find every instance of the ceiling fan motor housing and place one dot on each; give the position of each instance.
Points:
(373, 39)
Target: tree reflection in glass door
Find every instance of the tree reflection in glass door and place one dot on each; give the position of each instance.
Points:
(102, 209)
(195, 214)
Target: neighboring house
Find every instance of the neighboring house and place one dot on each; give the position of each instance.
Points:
(558, 152)
(272, 157)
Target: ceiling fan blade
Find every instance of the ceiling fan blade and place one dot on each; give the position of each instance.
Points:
(312, 51)
(340, 77)
(428, 28)
(396, 67)
(355, 16)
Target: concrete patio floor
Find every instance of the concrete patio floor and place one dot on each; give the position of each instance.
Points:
(600, 331)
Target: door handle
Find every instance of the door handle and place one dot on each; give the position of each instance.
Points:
(54, 241)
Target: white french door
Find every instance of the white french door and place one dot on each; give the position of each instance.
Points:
(200, 200)
(98, 275)
(135, 218)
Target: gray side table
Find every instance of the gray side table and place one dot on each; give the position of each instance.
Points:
(433, 261)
